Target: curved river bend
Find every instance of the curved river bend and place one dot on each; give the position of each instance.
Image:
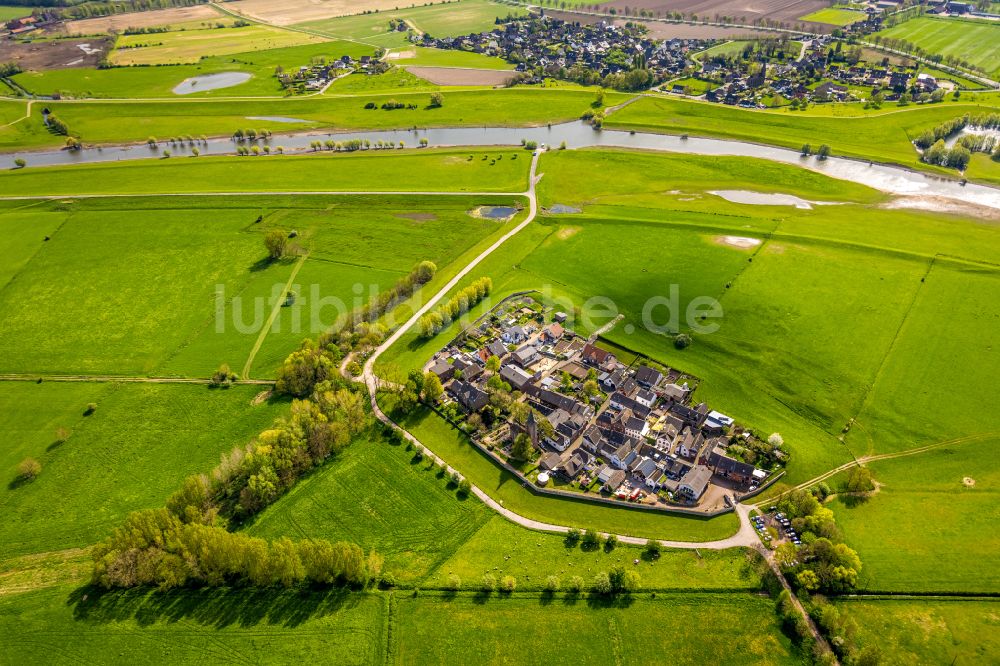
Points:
(577, 134)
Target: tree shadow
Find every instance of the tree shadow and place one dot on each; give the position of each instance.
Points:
(599, 601)
(213, 607)
(55, 445)
(18, 482)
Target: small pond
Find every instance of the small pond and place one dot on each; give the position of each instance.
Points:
(563, 209)
(210, 82)
(762, 199)
(277, 119)
(495, 212)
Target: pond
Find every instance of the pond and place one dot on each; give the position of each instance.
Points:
(205, 82)
(494, 212)
(563, 209)
(277, 119)
(762, 198)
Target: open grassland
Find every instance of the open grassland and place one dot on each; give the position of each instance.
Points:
(835, 16)
(501, 548)
(456, 450)
(882, 136)
(395, 79)
(443, 20)
(171, 308)
(134, 121)
(193, 626)
(931, 527)
(8, 12)
(945, 350)
(151, 82)
(130, 454)
(189, 46)
(436, 170)
(920, 631)
(419, 56)
(380, 496)
(976, 42)
(720, 629)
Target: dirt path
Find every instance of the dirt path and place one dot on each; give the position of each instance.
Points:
(278, 304)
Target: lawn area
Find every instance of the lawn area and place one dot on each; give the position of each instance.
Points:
(8, 12)
(396, 79)
(130, 454)
(835, 16)
(502, 548)
(143, 82)
(190, 46)
(882, 136)
(420, 56)
(723, 49)
(443, 170)
(379, 496)
(445, 20)
(926, 529)
(920, 631)
(728, 629)
(194, 626)
(977, 42)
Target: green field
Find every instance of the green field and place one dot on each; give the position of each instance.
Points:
(883, 136)
(835, 16)
(145, 82)
(910, 631)
(977, 42)
(8, 12)
(926, 529)
(157, 312)
(190, 46)
(445, 20)
(130, 454)
(720, 629)
(428, 57)
(724, 49)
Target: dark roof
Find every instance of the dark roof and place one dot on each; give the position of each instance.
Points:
(648, 376)
(468, 395)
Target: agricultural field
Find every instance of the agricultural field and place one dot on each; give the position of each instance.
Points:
(419, 56)
(189, 46)
(8, 12)
(176, 18)
(929, 528)
(729, 629)
(976, 42)
(442, 20)
(835, 16)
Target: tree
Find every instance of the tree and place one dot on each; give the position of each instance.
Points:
(573, 537)
(823, 152)
(522, 448)
(590, 388)
(275, 241)
(432, 388)
(776, 440)
(682, 341)
(28, 469)
(611, 543)
(508, 584)
(493, 364)
(808, 580)
(859, 480)
(489, 583)
(437, 100)
(575, 584)
(591, 540)
(806, 150)
(453, 583)
(602, 583)
(552, 584)
(20, 163)
(302, 371)
(653, 549)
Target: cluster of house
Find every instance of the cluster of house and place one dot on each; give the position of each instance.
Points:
(316, 76)
(637, 438)
(791, 79)
(548, 43)
(42, 19)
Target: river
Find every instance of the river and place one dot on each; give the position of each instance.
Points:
(577, 134)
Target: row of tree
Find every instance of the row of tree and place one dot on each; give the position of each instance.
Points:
(434, 322)
(155, 547)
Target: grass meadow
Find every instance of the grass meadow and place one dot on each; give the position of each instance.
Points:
(723, 629)
(190, 46)
(931, 526)
(76, 306)
(429, 57)
(835, 16)
(159, 81)
(977, 42)
(883, 135)
(910, 631)
(130, 454)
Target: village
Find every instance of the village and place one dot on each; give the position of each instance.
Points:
(568, 415)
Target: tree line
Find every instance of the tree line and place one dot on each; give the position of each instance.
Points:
(436, 321)
(156, 547)
(936, 151)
